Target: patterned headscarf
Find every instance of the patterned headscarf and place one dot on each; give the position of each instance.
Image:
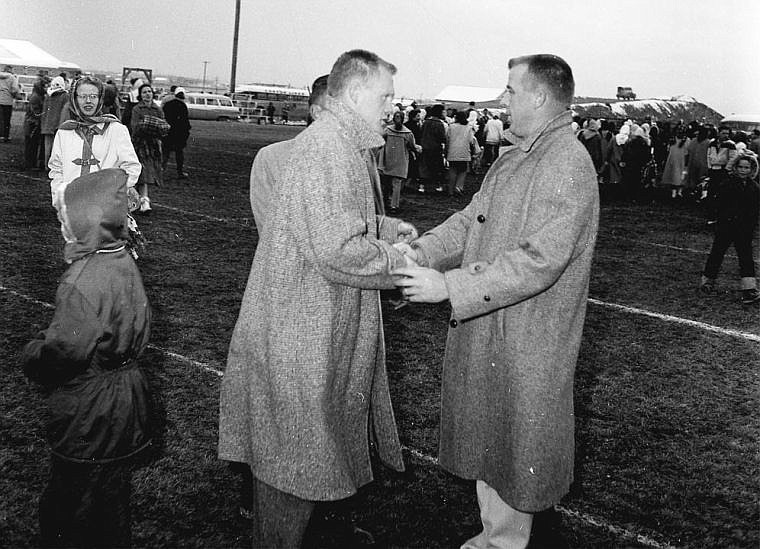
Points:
(86, 126)
(80, 119)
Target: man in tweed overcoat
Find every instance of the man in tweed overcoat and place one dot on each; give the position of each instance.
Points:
(306, 387)
(515, 266)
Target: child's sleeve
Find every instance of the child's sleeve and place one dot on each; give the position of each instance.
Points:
(65, 348)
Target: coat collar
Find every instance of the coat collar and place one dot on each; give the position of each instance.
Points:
(526, 143)
(353, 125)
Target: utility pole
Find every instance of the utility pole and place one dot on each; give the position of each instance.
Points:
(204, 75)
(235, 46)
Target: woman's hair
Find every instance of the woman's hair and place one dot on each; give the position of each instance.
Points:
(140, 89)
(436, 110)
(398, 113)
(39, 85)
(461, 118)
(79, 82)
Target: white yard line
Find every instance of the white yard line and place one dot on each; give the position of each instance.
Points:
(233, 221)
(618, 531)
(678, 320)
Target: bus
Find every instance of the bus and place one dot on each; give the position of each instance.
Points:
(290, 104)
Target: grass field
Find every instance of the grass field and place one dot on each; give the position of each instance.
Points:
(667, 385)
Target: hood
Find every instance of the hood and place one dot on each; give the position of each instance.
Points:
(96, 212)
(752, 158)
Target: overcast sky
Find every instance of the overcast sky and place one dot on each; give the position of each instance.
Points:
(708, 49)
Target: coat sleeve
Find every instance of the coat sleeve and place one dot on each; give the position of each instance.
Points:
(65, 348)
(442, 248)
(325, 213)
(135, 117)
(261, 187)
(558, 232)
(127, 157)
(55, 164)
(387, 228)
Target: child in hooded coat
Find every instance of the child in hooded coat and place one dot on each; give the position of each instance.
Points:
(738, 207)
(98, 397)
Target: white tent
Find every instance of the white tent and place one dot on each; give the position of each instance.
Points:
(26, 58)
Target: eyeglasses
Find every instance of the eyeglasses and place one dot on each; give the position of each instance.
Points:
(91, 96)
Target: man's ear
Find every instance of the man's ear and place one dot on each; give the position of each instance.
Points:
(353, 91)
(539, 97)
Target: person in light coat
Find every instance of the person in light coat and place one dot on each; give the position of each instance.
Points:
(9, 90)
(88, 142)
(305, 389)
(515, 265)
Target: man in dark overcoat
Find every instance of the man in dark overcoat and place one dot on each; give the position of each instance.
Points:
(515, 264)
(178, 118)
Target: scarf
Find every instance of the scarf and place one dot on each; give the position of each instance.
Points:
(622, 137)
(86, 126)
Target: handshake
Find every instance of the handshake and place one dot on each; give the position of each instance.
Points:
(417, 284)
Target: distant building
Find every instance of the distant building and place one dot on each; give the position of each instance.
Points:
(459, 97)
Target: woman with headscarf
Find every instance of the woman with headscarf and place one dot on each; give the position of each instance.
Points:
(34, 152)
(592, 140)
(615, 154)
(148, 127)
(636, 155)
(90, 142)
(674, 174)
(697, 151)
(54, 111)
(433, 142)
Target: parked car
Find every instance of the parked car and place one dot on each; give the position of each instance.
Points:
(210, 106)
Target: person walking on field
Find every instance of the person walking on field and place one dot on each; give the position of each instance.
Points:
(148, 127)
(433, 143)
(177, 116)
(461, 148)
(9, 90)
(91, 141)
(515, 267)
(394, 156)
(54, 111)
(34, 151)
(493, 132)
(697, 152)
(737, 206)
(305, 386)
(676, 172)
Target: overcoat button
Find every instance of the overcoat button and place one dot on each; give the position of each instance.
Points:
(453, 323)
(486, 298)
(481, 218)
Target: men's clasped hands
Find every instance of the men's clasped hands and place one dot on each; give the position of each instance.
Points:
(418, 284)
